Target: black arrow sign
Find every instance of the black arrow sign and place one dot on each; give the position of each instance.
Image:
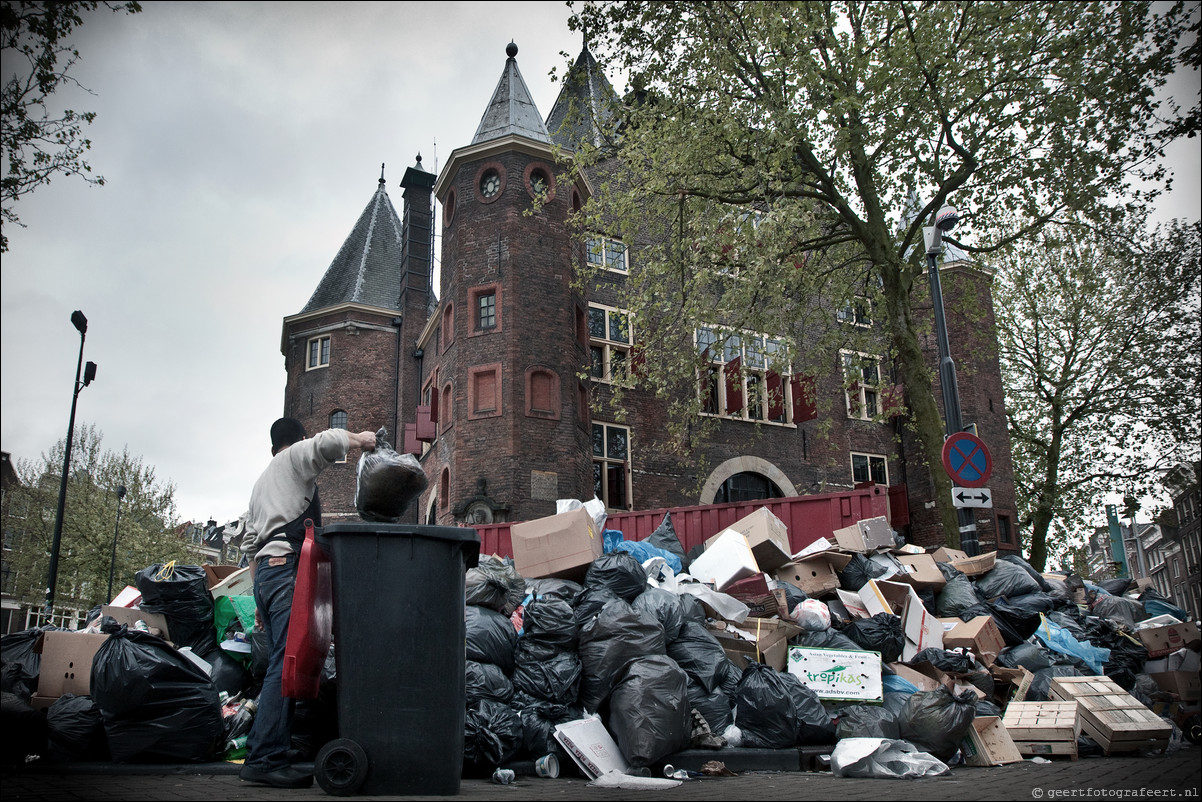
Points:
(962, 496)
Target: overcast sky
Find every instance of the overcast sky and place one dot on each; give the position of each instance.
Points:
(240, 142)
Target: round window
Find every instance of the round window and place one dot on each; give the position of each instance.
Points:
(490, 184)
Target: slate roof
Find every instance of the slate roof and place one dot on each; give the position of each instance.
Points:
(367, 269)
(585, 98)
(512, 109)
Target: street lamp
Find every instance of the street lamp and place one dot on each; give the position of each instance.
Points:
(116, 526)
(89, 373)
(945, 220)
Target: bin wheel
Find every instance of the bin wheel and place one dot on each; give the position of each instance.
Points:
(1193, 728)
(341, 767)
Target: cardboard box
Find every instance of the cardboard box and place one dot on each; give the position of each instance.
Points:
(816, 574)
(922, 630)
(764, 640)
(975, 566)
(767, 536)
(725, 562)
(838, 673)
(945, 554)
(156, 622)
(954, 682)
(915, 678)
(562, 545)
(216, 573)
(66, 662)
(760, 600)
(1162, 641)
(1183, 683)
(238, 582)
(921, 571)
(989, 743)
(591, 746)
(980, 636)
(865, 536)
(854, 604)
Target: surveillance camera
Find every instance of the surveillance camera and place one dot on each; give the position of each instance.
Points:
(946, 219)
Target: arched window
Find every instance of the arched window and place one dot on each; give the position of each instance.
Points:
(338, 419)
(747, 486)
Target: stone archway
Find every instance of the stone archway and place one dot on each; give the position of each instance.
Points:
(739, 465)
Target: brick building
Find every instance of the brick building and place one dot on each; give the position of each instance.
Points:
(496, 380)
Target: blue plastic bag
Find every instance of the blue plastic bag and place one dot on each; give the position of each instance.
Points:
(892, 683)
(643, 551)
(1058, 639)
(611, 538)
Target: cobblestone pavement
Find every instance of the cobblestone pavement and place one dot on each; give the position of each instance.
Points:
(1175, 775)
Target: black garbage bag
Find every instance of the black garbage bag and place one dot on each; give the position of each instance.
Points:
(1041, 683)
(1115, 587)
(180, 593)
(229, 674)
(387, 482)
(555, 680)
(700, 655)
(775, 710)
(617, 635)
(1006, 579)
(1128, 612)
(260, 653)
(486, 681)
(1027, 655)
(491, 637)
(936, 721)
(538, 727)
(495, 583)
(987, 708)
(158, 706)
(75, 730)
(1034, 602)
(558, 587)
(649, 710)
(714, 706)
(793, 594)
(589, 601)
(1015, 623)
(881, 633)
(867, 721)
(1044, 585)
(620, 573)
(691, 608)
(826, 639)
(1070, 621)
(858, 571)
(18, 716)
(492, 735)
(957, 595)
(944, 660)
(15, 679)
(664, 606)
(21, 663)
(551, 621)
(665, 537)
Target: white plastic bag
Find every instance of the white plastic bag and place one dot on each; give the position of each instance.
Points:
(883, 759)
(812, 615)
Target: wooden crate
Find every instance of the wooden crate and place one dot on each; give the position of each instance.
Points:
(1111, 716)
(1043, 728)
(989, 744)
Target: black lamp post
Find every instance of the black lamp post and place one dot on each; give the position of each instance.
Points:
(89, 373)
(945, 221)
(116, 526)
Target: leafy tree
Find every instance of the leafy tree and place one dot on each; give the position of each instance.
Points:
(38, 140)
(146, 534)
(1102, 362)
(826, 118)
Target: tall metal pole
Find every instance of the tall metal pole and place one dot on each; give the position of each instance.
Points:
(116, 526)
(81, 324)
(952, 421)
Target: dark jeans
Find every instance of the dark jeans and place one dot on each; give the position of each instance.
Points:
(270, 735)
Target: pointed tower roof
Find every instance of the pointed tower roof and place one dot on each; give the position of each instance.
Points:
(583, 101)
(367, 269)
(511, 110)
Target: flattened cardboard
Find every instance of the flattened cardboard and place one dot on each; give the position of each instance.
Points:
(975, 566)
(156, 622)
(562, 545)
(1183, 683)
(921, 571)
(767, 536)
(591, 746)
(864, 536)
(66, 662)
(915, 678)
(838, 673)
(768, 644)
(980, 636)
(922, 630)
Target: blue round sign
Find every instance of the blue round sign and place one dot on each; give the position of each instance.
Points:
(967, 460)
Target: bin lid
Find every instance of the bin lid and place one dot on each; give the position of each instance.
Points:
(467, 537)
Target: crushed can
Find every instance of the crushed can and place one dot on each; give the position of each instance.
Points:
(503, 776)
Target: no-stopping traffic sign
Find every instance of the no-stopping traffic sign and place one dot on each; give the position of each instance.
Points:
(967, 460)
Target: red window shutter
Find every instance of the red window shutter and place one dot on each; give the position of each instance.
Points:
(424, 429)
(412, 444)
(776, 397)
(638, 362)
(434, 405)
(734, 386)
(805, 400)
(893, 400)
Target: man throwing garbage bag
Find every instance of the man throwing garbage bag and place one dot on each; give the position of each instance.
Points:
(284, 496)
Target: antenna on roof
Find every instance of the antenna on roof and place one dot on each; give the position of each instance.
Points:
(381, 172)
